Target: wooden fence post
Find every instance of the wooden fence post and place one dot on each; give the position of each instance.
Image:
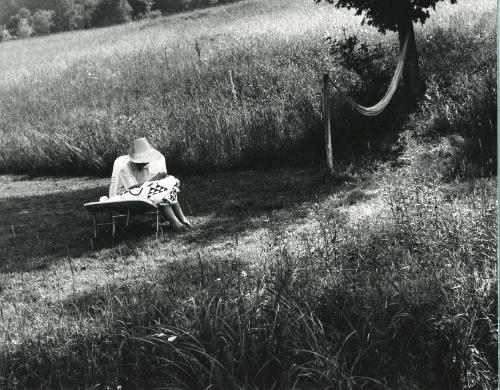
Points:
(327, 123)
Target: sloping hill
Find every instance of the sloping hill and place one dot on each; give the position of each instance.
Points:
(377, 277)
(230, 86)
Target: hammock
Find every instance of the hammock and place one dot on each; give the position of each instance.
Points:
(384, 102)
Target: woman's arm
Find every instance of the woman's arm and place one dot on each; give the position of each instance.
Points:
(159, 176)
(125, 180)
(158, 169)
(113, 186)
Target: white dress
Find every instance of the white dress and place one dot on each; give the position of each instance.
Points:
(126, 174)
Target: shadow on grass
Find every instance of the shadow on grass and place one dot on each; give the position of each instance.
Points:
(37, 230)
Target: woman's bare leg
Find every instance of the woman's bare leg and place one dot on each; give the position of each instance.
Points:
(176, 207)
(168, 213)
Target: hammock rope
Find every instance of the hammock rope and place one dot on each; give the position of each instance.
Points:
(384, 102)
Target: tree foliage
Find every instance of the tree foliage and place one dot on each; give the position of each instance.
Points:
(24, 29)
(169, 6)
(7, 9)
(108, 12)
(42, 22)
(141, 7)
(12, 24)
(66, 15)
(42, 17)
(24, 13)
(5, 35)
(389, 14)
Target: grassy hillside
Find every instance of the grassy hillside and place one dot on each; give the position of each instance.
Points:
(223, 87)
(380, 277)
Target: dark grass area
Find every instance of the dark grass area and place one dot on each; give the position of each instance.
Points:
(40, 229)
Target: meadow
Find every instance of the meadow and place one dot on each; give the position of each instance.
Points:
(382, 276)
(244, 94)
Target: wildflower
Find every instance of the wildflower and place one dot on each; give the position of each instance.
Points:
(244, 274)
(217, 280)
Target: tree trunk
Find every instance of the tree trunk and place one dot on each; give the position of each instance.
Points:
(412, 84)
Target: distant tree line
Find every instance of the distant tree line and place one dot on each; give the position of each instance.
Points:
(25, 18)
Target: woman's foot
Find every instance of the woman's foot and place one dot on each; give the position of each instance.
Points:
(177, 226)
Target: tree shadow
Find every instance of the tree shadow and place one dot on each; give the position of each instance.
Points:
(39, 230)
(238, 202)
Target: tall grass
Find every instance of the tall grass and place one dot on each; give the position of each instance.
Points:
(403, 300)
(454, 132)
(235, 86)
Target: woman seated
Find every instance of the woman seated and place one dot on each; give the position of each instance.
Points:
(144, 173)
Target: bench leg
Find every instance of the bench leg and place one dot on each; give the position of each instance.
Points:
(95, 226)
(157, 222)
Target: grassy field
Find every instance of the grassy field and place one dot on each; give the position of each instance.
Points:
(380, 277)
(290, 279)
(245, 93)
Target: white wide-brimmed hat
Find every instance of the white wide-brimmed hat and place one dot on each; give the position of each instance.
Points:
(141, 152)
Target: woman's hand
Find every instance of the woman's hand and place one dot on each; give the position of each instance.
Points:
(159, 176)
